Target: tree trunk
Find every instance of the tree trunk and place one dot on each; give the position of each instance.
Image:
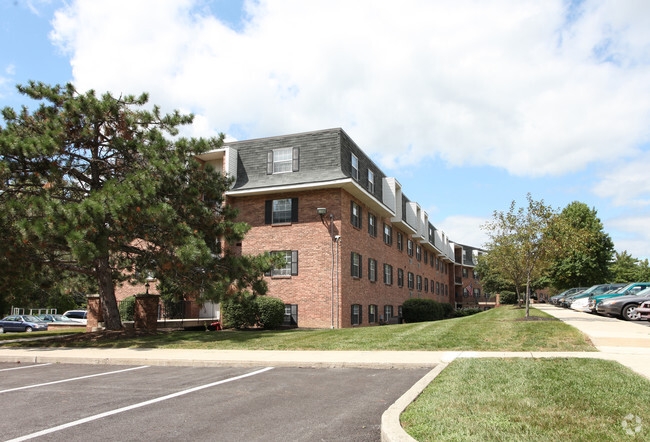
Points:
(111, 313)
(528, 298)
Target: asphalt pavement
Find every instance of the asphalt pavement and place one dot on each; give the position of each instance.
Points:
(627, 342)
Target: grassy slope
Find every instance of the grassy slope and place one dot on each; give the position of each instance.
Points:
(494, 330)
(526, 399)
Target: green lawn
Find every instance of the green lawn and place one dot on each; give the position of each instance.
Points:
(494, 330)
(40, 334)
(531, 399)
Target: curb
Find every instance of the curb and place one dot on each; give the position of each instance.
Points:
(391, 428)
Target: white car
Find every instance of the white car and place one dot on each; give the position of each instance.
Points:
(581, 305)
(77, 316)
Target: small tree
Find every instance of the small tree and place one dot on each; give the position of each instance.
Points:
(523, 241)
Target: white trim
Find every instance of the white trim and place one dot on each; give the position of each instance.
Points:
(345, 183)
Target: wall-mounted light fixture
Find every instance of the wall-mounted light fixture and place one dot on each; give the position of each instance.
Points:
(321, 211)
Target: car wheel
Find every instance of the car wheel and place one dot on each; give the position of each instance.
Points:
(629, 312)
(28, 329)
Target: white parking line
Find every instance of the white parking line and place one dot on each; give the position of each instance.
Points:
(134, 406)
(72, 379)
(25, 366)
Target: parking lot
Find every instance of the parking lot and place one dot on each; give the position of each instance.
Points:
(100, 402)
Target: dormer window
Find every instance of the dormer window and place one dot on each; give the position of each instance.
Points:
(355, 167)
(371, 181)
(286, 159)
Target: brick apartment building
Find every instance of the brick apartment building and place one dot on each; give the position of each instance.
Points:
(355, 246)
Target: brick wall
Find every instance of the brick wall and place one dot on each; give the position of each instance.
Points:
(311, 289)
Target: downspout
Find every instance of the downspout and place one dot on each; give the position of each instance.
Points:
(332, 272)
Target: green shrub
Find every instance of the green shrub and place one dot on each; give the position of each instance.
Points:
(240, 311)
(467, 311)
(127, 308)
(270, 312)
(508, 297)
(420, 310)
(448, 310)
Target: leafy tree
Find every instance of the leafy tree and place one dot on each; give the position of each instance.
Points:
(588, 264)
(625, 268)
(96, 186)
(523, 241)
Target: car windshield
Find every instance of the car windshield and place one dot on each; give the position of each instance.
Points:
(590, 289)
(627, 287)
(30, 318)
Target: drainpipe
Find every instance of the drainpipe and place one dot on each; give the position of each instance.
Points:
(332, 276)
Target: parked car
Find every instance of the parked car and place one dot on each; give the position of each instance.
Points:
(77, 315)
(624, 306)
(630, 289)
(597, 289)
(22, 323)
(57, 319)
(574, 291)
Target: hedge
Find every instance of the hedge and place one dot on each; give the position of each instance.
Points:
(247, 310)
(420, 310)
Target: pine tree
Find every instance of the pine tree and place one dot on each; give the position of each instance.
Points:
(99, 186)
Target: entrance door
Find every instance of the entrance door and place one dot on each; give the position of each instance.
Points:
(291, 315)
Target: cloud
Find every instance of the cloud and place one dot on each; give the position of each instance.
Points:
(627, 184)
(464, 229)
(632, 234)
(528, 86)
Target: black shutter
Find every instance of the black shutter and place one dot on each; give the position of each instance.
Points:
(352, 263)
(295, 163)
(369, 259)
(294, 210)
(269, 163)
(294, 262)
(352, 213)
(360, 314)
(268, 212)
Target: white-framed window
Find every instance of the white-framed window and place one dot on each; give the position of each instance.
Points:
(466, 292)
(465, 272)
(411, 280)
(400, 241)
(409, 247)
(356, 314)
(290, 268)
(400, 278)
(388, 274)
(426, 284)
(355, 215)
(371, 181)
(355, 268)
(388, 234)
(282, 159)
(281, 211)
(372, 225)
(372, 269)
(355, 166)
(372, 314)
(388, 312)
(419, 283)
(418, 253)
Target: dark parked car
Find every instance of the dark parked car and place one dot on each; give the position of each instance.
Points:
(624, 306)
(22, 323)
